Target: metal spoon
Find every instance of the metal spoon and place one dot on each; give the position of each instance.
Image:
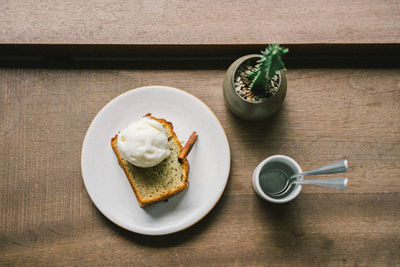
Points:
(281, 182)
(335, 183)
(336, 167)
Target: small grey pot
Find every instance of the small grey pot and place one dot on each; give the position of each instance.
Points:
(246, 109)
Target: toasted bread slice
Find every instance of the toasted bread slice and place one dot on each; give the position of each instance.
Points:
(162, 181)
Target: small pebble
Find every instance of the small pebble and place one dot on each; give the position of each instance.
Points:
(238, 79)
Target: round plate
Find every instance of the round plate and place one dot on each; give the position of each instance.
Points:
(209, 161)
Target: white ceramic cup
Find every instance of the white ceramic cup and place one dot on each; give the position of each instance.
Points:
(291, 166)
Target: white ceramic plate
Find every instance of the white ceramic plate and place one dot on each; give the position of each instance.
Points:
(209, 161)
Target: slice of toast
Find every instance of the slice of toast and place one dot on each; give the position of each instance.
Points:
(162, 181)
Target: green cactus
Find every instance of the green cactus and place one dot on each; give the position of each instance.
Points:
(266, 68)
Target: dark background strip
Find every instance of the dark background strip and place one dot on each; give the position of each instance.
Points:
(193, 56)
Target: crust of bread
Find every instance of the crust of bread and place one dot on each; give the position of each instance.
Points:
(124, 165)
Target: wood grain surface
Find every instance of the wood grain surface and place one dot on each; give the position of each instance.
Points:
(47, 217)
(199, 22)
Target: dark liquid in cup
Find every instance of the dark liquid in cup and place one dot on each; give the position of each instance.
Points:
(273, 178)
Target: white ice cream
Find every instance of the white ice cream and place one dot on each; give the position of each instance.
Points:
(143, 143)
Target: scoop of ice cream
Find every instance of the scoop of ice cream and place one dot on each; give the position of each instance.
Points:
(143, 143)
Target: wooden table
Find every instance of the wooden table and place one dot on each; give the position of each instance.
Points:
(62, 61)
(205, 22)
(47, 217)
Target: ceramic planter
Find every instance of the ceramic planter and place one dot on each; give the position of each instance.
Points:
(246, 109)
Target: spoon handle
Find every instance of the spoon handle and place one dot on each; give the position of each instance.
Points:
(336, 167)
(336, 183)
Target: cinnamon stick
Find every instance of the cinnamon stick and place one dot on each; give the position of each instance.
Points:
(188, 146)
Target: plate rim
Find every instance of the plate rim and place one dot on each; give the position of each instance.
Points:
(145, 231)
